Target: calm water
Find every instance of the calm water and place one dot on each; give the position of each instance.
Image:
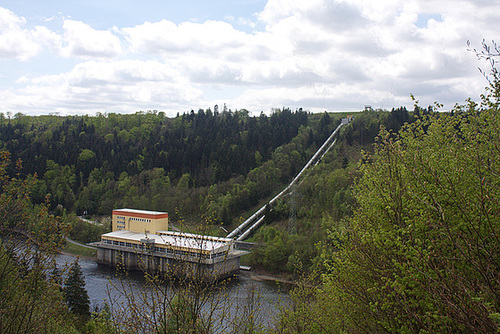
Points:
(101, 282)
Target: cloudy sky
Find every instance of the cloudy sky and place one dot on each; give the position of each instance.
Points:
(83, 57)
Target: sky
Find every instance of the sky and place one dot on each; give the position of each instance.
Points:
(71, 57)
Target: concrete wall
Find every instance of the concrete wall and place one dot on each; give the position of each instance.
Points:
(119, 256)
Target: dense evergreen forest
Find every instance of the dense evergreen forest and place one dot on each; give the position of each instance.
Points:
(146, 160)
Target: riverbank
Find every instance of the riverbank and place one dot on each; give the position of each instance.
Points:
(73, 248)
(263, 276)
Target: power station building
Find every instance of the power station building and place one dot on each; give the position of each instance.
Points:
(139, 221)
(141, 240)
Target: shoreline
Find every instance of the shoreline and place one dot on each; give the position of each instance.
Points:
(86, 257)
(260, 275)
(257, 275)
(77, 249)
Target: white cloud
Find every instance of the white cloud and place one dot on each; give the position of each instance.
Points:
(81, 40)
(209, 37)
(47, 38)
(243, 21)
(316, 54)
(9, 20)
(120, 86)
(15, 41)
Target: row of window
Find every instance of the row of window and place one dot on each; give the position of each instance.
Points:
(135, 219)
(165, 250)
(221, 254)
(141, 220)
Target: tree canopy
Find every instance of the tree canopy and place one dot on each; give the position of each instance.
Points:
(421, 253)
(75, 293)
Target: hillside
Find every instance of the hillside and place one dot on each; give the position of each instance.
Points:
(200, 167)
(296, 228)
(146, 160)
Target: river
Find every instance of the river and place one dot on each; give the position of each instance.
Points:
(102, 282)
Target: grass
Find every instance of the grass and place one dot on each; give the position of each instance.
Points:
(79, 250)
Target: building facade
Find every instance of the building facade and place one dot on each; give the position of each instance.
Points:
(139, 221)
(140, 240)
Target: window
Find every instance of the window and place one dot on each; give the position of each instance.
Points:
(221, 254)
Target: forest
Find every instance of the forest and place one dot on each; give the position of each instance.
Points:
(396, 230)
(94, 164)
(69, 165)
(203, 166)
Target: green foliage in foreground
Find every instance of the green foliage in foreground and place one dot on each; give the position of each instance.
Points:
(421, 254)
(74, 291)
(29, 302)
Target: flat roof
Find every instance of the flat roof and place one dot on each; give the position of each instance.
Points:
(145, 212)
(139, 212)
(178, 239)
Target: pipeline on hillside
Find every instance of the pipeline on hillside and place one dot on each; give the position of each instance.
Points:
(258, 216)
